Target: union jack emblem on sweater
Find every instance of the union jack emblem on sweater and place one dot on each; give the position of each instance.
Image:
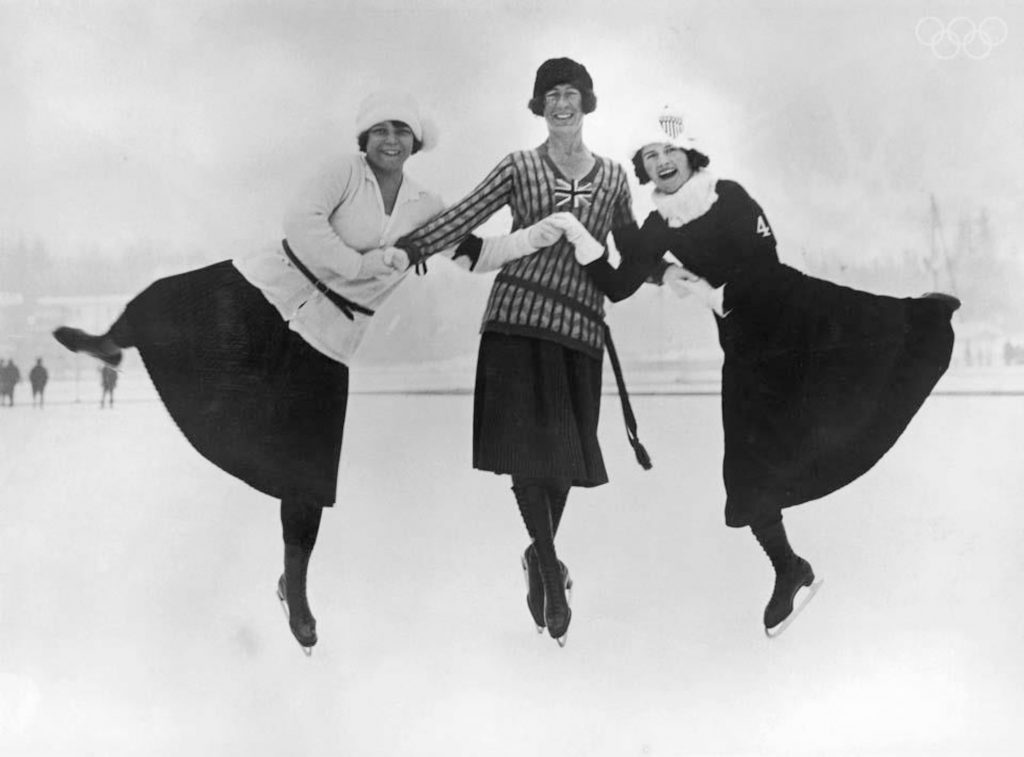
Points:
(572, 194)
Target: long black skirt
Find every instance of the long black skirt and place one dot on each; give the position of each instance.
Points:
(248, 393)
(536, 408)
(819, 382)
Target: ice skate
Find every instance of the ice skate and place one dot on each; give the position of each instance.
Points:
(535, 586)
(99, 347)
(304, 631)
(556, 581)
(796, 580)
(293, 597)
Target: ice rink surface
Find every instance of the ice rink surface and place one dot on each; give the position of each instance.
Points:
(138, 616)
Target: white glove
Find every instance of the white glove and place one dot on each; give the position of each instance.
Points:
(676, 276)
(518, 244)
(587, 248)
(396, 257)
(544, 233)
(684, 283)
(373, 265)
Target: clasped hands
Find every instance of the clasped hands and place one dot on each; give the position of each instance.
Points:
(385, 261)
(682, 281)
(382, 261)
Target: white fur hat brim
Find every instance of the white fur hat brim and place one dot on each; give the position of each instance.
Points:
(396, 106)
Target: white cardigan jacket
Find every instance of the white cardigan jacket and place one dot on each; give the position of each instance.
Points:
(338, 216)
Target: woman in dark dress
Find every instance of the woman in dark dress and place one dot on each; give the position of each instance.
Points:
(537, 398)
(819, 380)
(251, 356)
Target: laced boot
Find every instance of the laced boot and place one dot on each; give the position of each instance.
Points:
(792, 573)
(102, 348)
(535, 586)
(555, 580)
(291, 590)
(796, 574)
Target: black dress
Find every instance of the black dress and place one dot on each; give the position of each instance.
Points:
(248, 392)
(819, 380)
(535, 410)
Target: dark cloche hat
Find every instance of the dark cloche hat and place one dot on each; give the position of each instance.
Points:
(555, 71)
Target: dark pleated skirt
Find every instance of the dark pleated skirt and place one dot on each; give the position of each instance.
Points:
(248, 393)
(819, 382)
(536, 409)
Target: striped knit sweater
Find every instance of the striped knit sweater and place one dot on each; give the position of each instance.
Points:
(547, 295)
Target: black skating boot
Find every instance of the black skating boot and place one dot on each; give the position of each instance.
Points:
(555, 580)
(100, 347)
(535, 586)
(795, 575)
(792, 573)
(291, 590)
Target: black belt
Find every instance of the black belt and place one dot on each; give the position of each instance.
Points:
(552, 294)
(627, 409)
(642, 456)
(343, 304)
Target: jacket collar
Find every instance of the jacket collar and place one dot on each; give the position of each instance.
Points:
(410, 191)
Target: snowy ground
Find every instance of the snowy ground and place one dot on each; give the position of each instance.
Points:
(138, 617)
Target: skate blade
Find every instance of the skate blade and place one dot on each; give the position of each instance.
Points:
(308, 651)
(526, 582)
(562, 639)
(805, 595)
(284, 604)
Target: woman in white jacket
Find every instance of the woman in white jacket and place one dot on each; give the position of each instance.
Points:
(250, 356)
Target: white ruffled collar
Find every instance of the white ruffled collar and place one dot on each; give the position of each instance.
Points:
(690, 201)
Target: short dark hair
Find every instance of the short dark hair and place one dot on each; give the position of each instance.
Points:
(588, 101)
(364, 137)
(695, 158)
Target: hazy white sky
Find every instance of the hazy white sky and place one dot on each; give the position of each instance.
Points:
(189, 125)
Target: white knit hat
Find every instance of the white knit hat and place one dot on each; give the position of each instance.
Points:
(396, 106)
(669, 126)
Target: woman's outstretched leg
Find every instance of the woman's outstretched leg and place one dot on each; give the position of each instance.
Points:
(792, 572)
(532, 495)
(106, 347)
(300, 524)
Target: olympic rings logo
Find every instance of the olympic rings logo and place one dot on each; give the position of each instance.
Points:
(961, 35)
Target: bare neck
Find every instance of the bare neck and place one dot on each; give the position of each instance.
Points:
(568, 147)
(572, 157)
(389, 182)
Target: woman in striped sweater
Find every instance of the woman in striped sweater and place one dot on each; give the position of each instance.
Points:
(251, 356)
(538, 380)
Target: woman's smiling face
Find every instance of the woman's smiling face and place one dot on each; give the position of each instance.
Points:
(667, 166)
(563, 107)
(389, 145)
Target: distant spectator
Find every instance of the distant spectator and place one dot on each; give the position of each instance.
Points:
(108, 379)
(10, 377)
(38, 377)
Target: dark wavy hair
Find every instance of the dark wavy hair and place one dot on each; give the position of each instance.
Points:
(695, 158)
(587, 97)
(364, 137)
